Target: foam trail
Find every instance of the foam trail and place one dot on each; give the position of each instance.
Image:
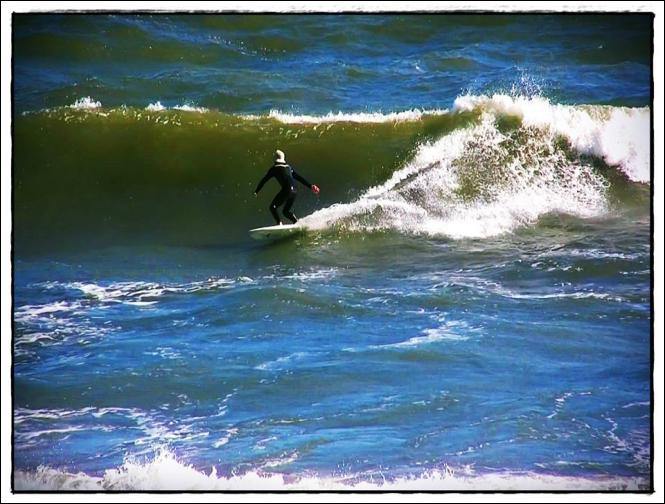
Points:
(475, 183)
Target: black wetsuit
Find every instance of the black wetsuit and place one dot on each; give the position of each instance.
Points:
(286, 176)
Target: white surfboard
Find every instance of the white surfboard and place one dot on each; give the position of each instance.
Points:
(272, 232)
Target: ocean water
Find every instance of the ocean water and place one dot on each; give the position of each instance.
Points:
(468, 308)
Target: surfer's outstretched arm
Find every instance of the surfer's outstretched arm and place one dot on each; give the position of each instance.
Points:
(304, 182)
(268, 176)
(301, 179)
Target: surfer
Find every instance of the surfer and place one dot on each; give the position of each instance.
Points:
(286, 176)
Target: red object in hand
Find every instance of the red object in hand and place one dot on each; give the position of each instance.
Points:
(315, 189)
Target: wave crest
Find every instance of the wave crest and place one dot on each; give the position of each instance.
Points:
(618, 135)
(489, 166)
(475, 183)
(354, 117)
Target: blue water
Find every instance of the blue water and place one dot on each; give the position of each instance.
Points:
(501, 357)
(487, 314)
(319, 63)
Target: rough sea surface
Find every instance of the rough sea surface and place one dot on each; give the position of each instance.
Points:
(468, 306)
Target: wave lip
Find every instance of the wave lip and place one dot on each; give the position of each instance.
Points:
(619, 135)
(186, 107)
(352, 117)
(88, 103)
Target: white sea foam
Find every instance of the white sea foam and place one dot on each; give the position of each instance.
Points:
(190, 108)
(28, 436)
(86, 103)
(430, 336)
(27, 313)
(52, 324)
(280, 361)
(31, 422)
(468, 184)
(26, 414)
(57, 321)
(488, 286)
(601, 254)
(312, 274)
(450, 330)
(144, 293)
(165, 472)
(31, 338)
(156, 107)
(185, 107)
(619, 135)
(636, 443)
(563, 295)
(354, 117)
(636, 404)
(226, 438)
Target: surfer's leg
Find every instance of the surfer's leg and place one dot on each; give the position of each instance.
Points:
(276, 203)
(287, 208)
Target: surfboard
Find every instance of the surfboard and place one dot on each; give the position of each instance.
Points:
(273, 232)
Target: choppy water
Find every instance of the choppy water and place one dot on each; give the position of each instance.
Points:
(469, 307)
(321, 63)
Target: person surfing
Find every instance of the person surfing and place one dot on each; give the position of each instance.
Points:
(286, 176)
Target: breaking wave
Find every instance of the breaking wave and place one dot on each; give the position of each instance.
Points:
(490, 165)
(165, 472)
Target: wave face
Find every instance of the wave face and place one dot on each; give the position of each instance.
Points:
(489, 166)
